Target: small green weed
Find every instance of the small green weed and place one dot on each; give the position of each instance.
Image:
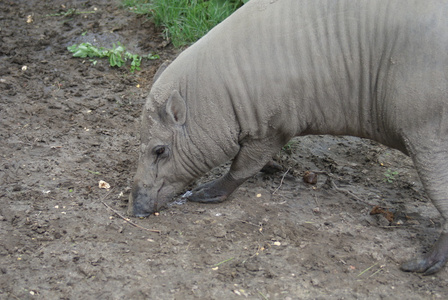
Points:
(117, 55)
(290, 147)
(390, 176)
(94, 172)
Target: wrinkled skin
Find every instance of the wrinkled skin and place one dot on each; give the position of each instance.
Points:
(279, 69)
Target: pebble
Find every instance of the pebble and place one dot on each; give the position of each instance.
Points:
(310, 177)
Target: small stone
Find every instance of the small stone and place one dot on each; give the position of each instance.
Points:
(310, 177)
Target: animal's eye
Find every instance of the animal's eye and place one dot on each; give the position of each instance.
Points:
(160, 150)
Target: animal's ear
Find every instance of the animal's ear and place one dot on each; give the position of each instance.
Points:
(159, 72)
(176, 109)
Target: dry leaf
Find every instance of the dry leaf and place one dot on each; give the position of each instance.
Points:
(103, 185)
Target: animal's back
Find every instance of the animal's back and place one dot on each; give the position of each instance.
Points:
(317, 62)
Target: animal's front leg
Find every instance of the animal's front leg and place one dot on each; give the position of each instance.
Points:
(432, 166)
(251, 158)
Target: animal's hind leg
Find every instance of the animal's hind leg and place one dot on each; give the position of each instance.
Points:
(431, 162)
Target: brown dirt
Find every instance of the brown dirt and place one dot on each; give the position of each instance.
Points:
(66, 124)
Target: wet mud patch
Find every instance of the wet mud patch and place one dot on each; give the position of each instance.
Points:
(66, 124)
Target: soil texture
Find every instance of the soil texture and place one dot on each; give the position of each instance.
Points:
(66, 124)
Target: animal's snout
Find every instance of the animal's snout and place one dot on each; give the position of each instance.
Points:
(140, 204)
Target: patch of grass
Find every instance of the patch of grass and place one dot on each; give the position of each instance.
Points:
(117, 55)
(185, 21)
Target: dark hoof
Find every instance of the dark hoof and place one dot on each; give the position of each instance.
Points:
(216, 191)
(207, 194)
(433, 261)
(271, 168)
(422, 265)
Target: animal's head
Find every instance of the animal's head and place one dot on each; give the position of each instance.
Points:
(161, 171)
(185, 132)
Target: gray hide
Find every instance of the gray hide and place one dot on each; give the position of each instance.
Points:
(278, 69)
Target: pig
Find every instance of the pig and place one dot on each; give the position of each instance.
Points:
(276, 69)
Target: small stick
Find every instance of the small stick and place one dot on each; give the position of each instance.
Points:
(388, 227)
(224, 261)
(261, 294)
(338, 189)
(281, 181)
(245, 222)
(347, 192)
(315, 200)
(367, 269)
(255, 254)
(379, 270)
(124, 218)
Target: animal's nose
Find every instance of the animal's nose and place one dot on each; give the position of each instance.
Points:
(140, 204)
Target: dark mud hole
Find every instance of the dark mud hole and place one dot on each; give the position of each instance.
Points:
(66, 124)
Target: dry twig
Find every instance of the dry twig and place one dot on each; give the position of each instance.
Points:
(281, 181)
(338, 189)
(123, 217)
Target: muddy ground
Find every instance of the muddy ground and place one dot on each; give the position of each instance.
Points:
(66, 124)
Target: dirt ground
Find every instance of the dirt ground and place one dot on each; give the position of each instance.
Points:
(66, 124)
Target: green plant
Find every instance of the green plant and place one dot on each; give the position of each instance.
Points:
(290, 147)
(117, 55)
(390, 175)
(185, 21)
